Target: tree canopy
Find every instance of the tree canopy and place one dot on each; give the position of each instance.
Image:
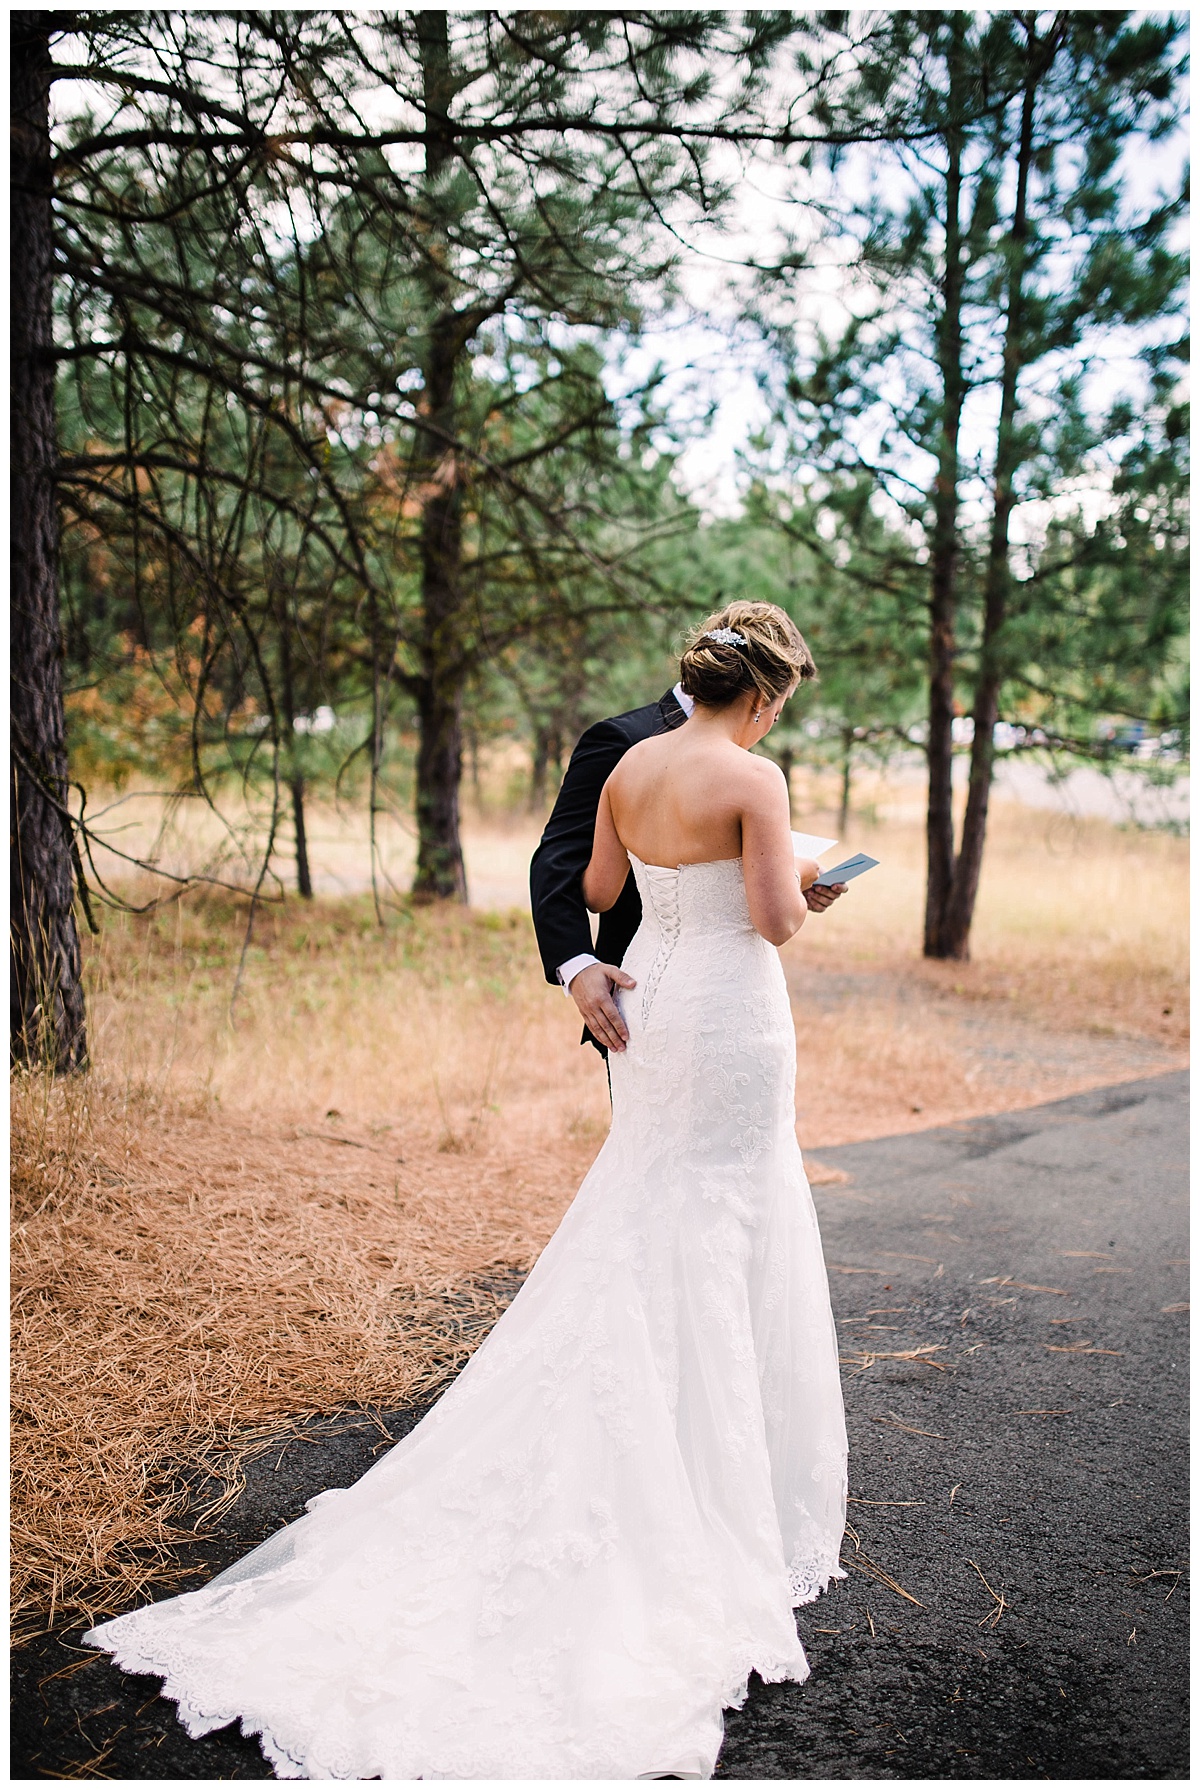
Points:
(314, 374)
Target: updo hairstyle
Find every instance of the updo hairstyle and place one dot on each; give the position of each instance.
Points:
(773, 660)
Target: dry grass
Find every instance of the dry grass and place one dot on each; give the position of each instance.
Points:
(230, 1224)
(1081, 923)
(1079, 974)
(222, 1228)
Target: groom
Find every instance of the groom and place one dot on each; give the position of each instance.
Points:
(560, 919)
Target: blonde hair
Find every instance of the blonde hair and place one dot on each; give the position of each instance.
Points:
(771, 659)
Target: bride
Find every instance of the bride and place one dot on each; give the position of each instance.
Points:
(572, 1565)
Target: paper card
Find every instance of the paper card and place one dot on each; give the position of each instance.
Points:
(808, 845)
(848, 869)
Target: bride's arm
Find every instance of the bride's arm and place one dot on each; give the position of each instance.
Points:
(608, 866)
(769, 866)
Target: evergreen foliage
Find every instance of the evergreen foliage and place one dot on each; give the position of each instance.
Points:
(336, 302)
(1000, 261)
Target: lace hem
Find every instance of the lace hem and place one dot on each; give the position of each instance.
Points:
(199, 1720)
(808, 1578)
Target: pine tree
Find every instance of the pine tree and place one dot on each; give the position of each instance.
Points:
(46, 994)
(305, 324)
(1003, 254)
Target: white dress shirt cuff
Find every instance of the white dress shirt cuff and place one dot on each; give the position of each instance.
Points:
(567, 971)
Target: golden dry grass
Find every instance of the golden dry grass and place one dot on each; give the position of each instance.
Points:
(223, 1228)
(235, 1222)
(1078, 976)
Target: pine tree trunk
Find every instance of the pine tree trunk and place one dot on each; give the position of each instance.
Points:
(441, 873)
(440, 870)
(296, 775)
(538, 768)
(943, 594)
(960, 907)
(785, 758)
(473, 757)
(46, 991)
(303, 874)
(847, 774)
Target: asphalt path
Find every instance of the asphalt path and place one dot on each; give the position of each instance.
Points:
(1011, 1304)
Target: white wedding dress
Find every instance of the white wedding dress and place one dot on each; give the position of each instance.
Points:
(570, 1567)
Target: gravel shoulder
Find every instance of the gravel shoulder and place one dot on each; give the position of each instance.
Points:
(1011, 1302)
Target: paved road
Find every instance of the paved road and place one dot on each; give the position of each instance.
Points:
(1038, 1258)
(1078, 1519)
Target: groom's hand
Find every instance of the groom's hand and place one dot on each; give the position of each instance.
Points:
(819, 897)
(592, 992)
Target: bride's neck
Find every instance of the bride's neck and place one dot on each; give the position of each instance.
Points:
(732, 722)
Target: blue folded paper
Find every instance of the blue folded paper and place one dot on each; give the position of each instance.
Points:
(847, 871)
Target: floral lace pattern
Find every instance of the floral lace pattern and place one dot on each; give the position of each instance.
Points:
(574, 1563)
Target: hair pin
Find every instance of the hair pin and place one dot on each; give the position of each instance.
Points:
(725, 637)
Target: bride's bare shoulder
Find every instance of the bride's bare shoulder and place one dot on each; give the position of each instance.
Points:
(757, 777)
(643, 755)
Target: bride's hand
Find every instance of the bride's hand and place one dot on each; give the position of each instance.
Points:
(808, 870)
(592, 992)
(819, 898)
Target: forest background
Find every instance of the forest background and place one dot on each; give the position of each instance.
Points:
(391, 393)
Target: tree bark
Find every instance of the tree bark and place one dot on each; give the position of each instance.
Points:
(440, 870)
(785, 758)
(539, 767)
(943, 593)
(847, 774)
(45, 990)
(295, 774)
(441, 873)
(303, 873)
(959, 911)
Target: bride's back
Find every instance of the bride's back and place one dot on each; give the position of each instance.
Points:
(678, 798)
(698, 795)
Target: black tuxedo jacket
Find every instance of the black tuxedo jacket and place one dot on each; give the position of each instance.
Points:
(560, 918)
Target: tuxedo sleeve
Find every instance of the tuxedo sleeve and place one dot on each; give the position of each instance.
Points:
(560, 918)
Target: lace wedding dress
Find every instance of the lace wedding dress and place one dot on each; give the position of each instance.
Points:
(570, 1567)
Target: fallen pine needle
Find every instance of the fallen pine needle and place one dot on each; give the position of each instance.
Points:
(1166, 1572)
(894, 1422)
(1001, 1602)
(863, 1359)
(877, 1573)
(76, 1665)
(1024, 1286)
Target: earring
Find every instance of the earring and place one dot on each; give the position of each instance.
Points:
(757, 716)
